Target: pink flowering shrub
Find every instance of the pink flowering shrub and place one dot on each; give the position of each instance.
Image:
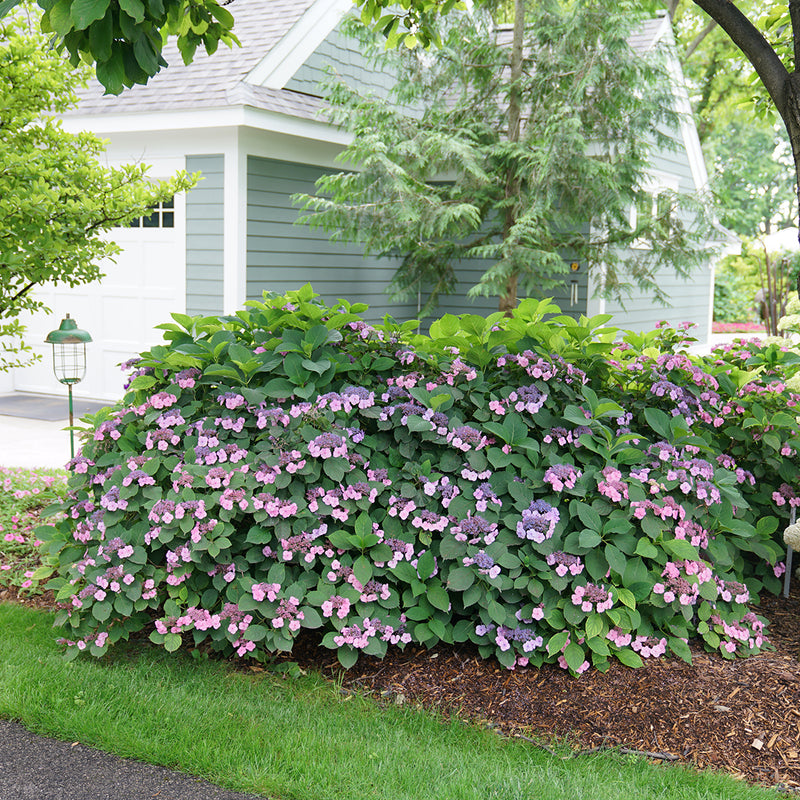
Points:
(383, 487)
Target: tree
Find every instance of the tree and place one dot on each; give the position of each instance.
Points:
(545, 149)
(57, 202)
(750, 163)
(767, 59)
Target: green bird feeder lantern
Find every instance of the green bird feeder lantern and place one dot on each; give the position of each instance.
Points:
(69, 361)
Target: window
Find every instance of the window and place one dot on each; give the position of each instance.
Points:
(161, 216)
(655, 209)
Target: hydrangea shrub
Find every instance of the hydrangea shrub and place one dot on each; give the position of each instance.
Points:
(521, 484)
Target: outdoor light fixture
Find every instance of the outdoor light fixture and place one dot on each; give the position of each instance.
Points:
(69, 360)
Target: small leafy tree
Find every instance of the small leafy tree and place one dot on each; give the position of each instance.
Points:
(57, 202)
(520, 148)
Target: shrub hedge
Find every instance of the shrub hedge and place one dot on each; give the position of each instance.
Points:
(527, 484)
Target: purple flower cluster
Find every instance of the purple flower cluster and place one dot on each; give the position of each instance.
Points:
(538, 522)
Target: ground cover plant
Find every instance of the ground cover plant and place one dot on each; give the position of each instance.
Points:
(23, 494)
(524, 484)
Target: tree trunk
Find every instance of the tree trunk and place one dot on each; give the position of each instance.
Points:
(508, 300)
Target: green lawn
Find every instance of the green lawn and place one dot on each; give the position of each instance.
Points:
(298, 737)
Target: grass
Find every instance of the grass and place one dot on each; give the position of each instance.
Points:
(281, 737)
(297, 737)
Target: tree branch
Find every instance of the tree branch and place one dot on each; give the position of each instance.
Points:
(19, 294)
(695, 43)
(759, 52)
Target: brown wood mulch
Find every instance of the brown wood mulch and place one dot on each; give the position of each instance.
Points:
(741, 715)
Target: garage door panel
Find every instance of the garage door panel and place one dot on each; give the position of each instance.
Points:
(145, 285)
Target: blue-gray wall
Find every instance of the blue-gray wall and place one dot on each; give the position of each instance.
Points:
(204, 236)
(342, 54)
(283, 256)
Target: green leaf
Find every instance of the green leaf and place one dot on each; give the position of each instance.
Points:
(589, 538)
(616, 559)
(594, 626)
(438, 597)
(680, 548)
(347, 656)
(574, 656)
(556, 642)
(680, 648)
(646, 549)
(438, 629)
(111, 73)
(362, 569)
(497, 612)
(625, 597)
(589, 517)
(658, 421)
(629, 658)
(255, 633)
(101, 36)
(460, 579)
(426, 565)
(133, 8)
(7, 5)
(172, 641)
(279, 387)
(85, 12)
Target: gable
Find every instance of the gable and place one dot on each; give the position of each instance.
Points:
(341, 53)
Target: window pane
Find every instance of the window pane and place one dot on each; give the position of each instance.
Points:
(169, 203)
(135, 223)
(168, 219)
(150, 221)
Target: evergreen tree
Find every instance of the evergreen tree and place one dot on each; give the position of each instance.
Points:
(524, 145)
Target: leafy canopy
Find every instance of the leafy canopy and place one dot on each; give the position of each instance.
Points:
(57, 202)
(470, 158)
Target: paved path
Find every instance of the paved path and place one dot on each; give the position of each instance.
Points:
(38, 768)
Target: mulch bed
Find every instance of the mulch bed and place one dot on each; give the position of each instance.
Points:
(741, 716)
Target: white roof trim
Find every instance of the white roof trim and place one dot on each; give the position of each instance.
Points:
(247, 116)
(302, 39)
(691, 140)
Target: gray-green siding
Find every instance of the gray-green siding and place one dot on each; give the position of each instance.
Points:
(340, 53)
(688, 298)
(283, 256)
(205, 236)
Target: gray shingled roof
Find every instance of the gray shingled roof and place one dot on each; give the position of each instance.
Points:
(216, 81)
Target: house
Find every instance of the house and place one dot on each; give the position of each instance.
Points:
(249, 119)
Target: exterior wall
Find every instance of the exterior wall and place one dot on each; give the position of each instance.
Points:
(342, 54)
(690, 299)
(282, 255)
(689, 302)
(469, 274)
(205, 238)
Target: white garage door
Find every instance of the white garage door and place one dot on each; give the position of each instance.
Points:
(139, 291)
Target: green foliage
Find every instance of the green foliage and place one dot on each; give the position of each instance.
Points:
(521, 483)
(752, 177)
(725, 86)
(57, 201)
(443, 178)
(23, 496)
